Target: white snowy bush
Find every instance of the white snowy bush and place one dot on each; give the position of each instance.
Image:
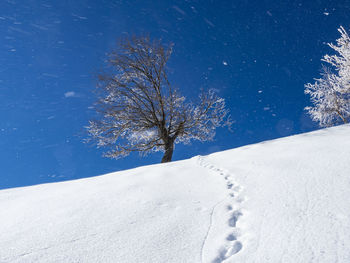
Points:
(330, 94)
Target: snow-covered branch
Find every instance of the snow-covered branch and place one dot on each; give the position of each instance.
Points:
(330, 94)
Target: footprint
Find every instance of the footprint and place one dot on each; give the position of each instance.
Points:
(221, 257)
(229, 207)
(240, 200)
(237, 246)
(201, 209)
(231, 237)
(162, 204)
(229, 185)
(237, 189)
(226, 253)
(234, 218)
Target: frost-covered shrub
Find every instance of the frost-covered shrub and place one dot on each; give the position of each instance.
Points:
(330, 94)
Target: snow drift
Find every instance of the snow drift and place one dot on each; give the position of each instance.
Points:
(286, 200)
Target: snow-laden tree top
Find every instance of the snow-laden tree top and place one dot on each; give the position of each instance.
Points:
(330, 94)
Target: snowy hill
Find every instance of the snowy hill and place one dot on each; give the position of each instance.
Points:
(286, 200)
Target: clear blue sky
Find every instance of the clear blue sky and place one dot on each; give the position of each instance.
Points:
(257, 54)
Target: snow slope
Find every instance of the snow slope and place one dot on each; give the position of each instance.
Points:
(286, 200)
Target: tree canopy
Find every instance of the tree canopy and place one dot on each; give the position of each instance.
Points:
(140, 111)
(330, 94)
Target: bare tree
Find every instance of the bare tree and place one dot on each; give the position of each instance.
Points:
(141, 112)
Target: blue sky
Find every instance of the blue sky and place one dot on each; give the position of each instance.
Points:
(257, 54)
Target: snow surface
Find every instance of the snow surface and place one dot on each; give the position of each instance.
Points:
(286, 200)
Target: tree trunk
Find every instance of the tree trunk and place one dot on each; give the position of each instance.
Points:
(169, 148)
(342, 117)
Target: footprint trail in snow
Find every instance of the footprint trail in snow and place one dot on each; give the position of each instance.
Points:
(231, 245)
